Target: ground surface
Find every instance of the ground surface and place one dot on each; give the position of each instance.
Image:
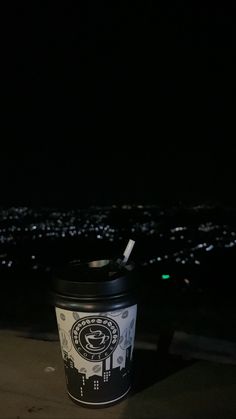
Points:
(198, 390)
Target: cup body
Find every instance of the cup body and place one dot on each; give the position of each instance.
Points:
(97, 335)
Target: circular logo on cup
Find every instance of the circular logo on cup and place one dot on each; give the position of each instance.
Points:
(95, 337)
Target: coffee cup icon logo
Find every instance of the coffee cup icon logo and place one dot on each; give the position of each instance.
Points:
(95, 337)
(96, 340)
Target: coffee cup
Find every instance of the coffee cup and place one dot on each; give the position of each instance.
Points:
(96, 314)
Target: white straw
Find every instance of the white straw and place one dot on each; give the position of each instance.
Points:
(128, 251)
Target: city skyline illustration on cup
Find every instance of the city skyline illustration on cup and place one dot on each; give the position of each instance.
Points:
(96, 340)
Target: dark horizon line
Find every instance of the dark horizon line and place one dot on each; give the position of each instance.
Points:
(120, 205)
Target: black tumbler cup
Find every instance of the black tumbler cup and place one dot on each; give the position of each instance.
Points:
(96, 316)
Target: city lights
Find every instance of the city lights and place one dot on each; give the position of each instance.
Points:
(166, 241)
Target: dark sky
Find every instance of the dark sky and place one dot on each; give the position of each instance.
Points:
(167, 178)
(77, 78)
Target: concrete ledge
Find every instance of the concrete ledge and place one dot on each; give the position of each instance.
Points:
(30, 389)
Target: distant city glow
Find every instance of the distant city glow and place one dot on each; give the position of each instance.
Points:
(25, 232)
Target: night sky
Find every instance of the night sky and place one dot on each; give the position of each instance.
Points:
(86, 92)
(167, 178)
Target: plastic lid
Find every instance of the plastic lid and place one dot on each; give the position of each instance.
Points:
(95, 280)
